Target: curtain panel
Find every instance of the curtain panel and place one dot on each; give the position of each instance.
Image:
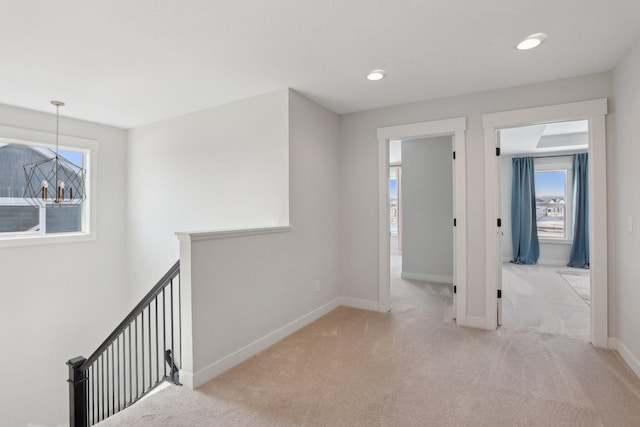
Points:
(579, 256)
(526, 249)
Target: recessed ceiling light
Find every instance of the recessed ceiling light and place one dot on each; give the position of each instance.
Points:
(534, 40)
(376, 75)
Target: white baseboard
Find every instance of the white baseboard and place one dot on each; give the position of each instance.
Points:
(216, 368)
(553, 262)
(624, 352)
(359, 303)
(427, 277)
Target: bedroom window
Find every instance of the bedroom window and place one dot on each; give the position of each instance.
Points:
(553, 199)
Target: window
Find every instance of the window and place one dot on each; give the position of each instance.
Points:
(21, 222)
(553, 198)
(393, 202)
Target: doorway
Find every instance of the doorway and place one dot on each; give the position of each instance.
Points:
(455, 128)
(547, 294)
(594, 112)
(421, 223)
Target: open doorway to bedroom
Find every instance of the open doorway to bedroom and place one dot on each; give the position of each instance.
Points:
(545, 228)
(421, 224)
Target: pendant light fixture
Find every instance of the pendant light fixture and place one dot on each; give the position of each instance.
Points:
(54, 181)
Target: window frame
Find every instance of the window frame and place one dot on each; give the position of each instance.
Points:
(89, 150)
(562, 163)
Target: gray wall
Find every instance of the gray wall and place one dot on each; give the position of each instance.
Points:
(359, 160)
(624, 196)
(225, 167)
(427, 209)
(48, 316)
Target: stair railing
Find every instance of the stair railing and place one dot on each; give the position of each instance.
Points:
(142, 352)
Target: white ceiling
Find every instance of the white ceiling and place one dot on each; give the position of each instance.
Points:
(546, 138)
(128, 63)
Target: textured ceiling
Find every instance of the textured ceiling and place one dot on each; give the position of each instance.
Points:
(128, 63)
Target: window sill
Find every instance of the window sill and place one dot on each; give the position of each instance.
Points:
(35, 240)
(554, 241)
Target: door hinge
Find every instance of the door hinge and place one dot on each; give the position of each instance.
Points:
(454, 222)
(499, 222)
(497, 151)
(499, 293)
(454, 155)
(455, 289)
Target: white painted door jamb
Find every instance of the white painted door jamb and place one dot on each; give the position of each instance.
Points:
(594, 111)
(455, 127)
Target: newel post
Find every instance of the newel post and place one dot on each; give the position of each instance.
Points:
(77, 393)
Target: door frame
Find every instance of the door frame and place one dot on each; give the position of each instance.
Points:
(594, 111)
(455, 127)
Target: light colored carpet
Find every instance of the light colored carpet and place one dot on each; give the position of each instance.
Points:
(411, 367)
(536, 298)
(579, 282)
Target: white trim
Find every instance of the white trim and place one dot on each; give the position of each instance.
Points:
(455, 127)
(629, 358)
(594, 111)
(553, 262)
(362, 304)
(203, 376)
(9, 134)
(427, 277)
(193, 236)
(548, 114)
(423, 129)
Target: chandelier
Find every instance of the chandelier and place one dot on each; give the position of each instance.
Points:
(54, 181)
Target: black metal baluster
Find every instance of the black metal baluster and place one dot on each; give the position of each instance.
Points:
(87, 393)
(107, 367)
(130, 369)
(157, 343)
(124, 368)
(179, 321)
(86, 397)
(173, 357)
(107, 381)
(150, 355)
(136, 341)
(118, 376)
(93, 393)
(102, 383)
(113, 383)
(164, 331)
(142, 346)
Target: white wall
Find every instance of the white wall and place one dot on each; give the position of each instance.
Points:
(244, 288)
(359, 171)
(220, 168)
(550, 253)
(427, 209)
(48, 316)
(624, 202)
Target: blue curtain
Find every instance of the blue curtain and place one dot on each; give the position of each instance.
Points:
(523, 212)
(580, 246)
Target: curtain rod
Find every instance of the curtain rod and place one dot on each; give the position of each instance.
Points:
(544, 157)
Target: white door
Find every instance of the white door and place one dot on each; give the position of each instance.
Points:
(455, 260)
(499, 232)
